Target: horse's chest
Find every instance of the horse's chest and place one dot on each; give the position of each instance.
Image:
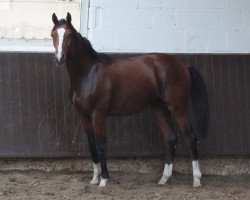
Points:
(75, 98)
(85, 89)
(82, 101)
(83, 94)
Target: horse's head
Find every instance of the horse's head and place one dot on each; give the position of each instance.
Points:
(61, 34)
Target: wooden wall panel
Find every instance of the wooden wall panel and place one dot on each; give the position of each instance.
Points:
(38, 120)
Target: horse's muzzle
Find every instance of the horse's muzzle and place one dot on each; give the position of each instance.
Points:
(59, 61)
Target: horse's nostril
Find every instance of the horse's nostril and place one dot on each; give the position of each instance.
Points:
(62, 56)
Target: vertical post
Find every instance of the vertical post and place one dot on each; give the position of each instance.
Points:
(84, 17)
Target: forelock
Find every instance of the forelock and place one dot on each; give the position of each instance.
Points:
(60, 23)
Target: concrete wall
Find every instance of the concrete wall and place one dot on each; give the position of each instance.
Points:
(185, 26)
(182, 26)
(31, 19)
(25, 25)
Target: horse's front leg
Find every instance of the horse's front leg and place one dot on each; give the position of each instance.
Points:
(93, 151)
(99, 126)
(92, 147)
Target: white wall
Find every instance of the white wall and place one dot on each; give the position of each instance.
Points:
(184, 26)
(25, 25)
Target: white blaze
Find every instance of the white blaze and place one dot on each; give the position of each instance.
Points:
(60, 32)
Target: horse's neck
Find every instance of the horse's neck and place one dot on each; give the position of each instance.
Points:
(79, 61)
(78, 68)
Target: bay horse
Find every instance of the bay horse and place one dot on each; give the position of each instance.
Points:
(101, 86)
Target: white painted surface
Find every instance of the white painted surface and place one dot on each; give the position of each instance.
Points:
(25, 21)
(31, 19)
(84, 20)
(23, 45)
(183, 26)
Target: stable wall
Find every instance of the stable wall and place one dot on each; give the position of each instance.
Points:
(175, 26)
(38, 120)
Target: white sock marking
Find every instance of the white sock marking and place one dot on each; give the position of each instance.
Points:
(96, 174)
(103, 182)
(196, 173)
(167, 173)
(60, 32)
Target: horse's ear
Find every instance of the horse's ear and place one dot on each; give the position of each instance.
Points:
(68, 18)
(54, 18)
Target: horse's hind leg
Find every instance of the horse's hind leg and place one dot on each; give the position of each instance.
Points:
(182, 119)
(170, 140)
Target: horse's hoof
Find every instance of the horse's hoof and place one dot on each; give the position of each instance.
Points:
(94, 181)
(197, 182)
(196, 185)
(163, 180)
(103, 182)
(161, 183)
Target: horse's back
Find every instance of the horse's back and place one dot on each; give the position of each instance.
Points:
(134, 86)
(152, 70)
(142, 81)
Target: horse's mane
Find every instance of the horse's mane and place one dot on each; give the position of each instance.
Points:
(100, 57)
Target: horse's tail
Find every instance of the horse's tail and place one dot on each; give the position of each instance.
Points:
(200, 104)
